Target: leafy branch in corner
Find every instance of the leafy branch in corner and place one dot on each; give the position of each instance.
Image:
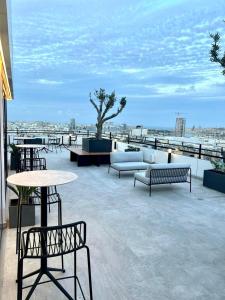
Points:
(215, 51)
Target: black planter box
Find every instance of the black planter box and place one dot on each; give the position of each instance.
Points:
(94, 145)
(28, 214)
(14, 161)
(214, 180)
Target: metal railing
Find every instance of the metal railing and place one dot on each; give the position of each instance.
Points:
(201, 151)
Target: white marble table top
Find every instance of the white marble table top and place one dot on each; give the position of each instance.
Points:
(42, 178)
(30, 146)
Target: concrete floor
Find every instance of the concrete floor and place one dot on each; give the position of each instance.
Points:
(168, 246)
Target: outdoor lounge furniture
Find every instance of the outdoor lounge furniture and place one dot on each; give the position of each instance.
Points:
(127, 161)
(54, 143)
(164, 174)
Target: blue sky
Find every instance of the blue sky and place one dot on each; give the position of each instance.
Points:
(154, 52)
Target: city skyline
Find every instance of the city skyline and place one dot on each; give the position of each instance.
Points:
(157, 55)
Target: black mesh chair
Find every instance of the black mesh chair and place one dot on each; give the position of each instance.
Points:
(73, 140)
(47, 242)
(54, 143)
(37, 163)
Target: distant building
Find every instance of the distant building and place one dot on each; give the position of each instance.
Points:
(180, 126)
(72, 125)
(139, 131)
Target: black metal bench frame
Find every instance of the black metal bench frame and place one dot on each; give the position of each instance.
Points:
(172, 173)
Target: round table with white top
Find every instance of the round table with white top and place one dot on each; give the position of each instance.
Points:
(42, 179)
(30, 147)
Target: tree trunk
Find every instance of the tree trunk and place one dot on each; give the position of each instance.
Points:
(99, 131)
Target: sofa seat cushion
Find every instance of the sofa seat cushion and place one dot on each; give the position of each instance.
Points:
(129, 166)
(141, 177)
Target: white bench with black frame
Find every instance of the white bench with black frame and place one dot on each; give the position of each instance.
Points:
(164, 174)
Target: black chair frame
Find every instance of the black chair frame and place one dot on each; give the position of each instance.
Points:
(46, 242)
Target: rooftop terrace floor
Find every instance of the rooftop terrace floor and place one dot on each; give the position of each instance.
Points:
(167, 246)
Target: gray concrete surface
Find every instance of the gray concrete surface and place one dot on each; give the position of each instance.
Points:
(168, 246)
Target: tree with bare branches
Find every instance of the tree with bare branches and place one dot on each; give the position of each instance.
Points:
(103, 103)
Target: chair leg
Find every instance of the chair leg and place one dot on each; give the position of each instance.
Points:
(60, 223)
(150, 190)
(108, 169)
(34, 285)
(119, 174)
(20, 280)
(134, 181)
(89, 273)
(75, 274)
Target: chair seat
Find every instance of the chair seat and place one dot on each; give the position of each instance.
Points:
(141, 177)
(129, 166)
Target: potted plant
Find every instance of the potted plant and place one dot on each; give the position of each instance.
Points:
(15, 157)
(215, 178)
(28, 211)
(102, 103)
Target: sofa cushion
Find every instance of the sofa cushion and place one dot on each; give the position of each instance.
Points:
(149, 155)
(169, 166)
(119, 157)
(141, 177)
(129, 166)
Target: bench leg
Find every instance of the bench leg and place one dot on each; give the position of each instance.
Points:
(134, 181)
(119, 174)
(109, 169)
(150, 190)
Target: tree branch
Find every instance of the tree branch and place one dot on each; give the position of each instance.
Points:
(113, 115)
(94, 104)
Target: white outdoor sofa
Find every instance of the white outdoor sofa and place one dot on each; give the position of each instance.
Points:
(127, 161)
(164, 174)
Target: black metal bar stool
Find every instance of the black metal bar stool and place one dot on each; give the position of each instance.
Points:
(47, 242)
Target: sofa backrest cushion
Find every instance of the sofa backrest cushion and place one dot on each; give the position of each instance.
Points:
(119, 157)
(168, 167)
(149, 155)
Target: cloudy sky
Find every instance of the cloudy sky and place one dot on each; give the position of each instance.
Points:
(154, 52)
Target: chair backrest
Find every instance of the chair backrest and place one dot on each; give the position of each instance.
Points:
(173, 171)
(118, 157)
(53, 241)
(53, 141)
(39, 163)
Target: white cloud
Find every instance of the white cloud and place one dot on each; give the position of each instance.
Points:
(131, 70)
(48, 82)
